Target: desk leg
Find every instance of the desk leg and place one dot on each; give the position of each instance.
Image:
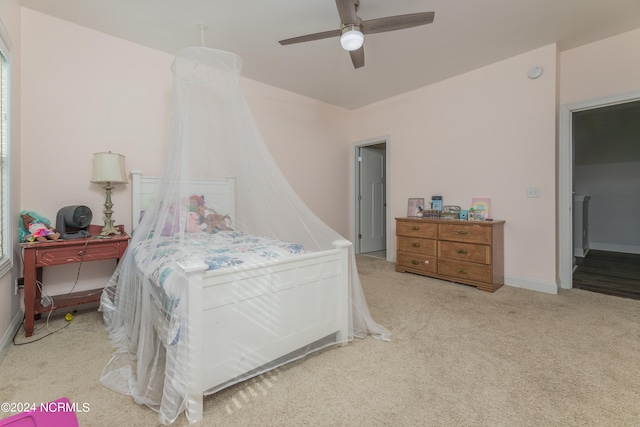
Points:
(38, 291)
(30, 273)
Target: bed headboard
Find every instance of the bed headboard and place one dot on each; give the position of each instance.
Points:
(216, 192)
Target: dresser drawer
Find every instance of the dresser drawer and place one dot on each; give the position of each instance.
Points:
(417, 245)
(416, 229)
(465, 233)
(417, 262)
(465, 270)
(469, 252)
(65, 255)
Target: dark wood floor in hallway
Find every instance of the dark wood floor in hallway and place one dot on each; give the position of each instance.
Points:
(611, 273)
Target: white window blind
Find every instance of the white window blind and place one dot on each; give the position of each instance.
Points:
(6, 228)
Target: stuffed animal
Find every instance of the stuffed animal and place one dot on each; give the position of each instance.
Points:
(217, 222)
(38, 230)
(201, 213)
(195, 201)
(193, 223)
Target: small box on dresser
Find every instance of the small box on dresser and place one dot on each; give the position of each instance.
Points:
(468, 252)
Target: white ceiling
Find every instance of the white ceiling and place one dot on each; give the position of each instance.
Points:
(465, 35)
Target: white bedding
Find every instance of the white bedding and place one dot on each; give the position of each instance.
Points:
(223, 249)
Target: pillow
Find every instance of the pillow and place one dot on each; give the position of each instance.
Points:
(171, 224)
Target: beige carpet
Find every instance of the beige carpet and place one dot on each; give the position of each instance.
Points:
(459, 357)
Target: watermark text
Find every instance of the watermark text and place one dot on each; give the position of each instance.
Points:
(56, 406)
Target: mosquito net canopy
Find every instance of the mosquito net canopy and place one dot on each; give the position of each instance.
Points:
(213, 136)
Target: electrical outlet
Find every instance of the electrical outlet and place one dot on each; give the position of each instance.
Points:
(533, 191)
(19, 284)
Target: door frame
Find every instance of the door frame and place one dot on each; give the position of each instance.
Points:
(565, 178)
(353, 200)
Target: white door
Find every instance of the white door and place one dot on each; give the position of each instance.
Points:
(372, 199)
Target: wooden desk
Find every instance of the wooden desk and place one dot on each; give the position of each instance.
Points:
(38, 255)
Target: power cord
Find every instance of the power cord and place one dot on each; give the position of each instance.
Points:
(79, 267)
(48, 300)
(37, 339)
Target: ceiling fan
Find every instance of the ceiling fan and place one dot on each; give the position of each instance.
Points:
(352, 28)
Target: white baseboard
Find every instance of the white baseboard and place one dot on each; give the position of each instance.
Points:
(7, 339)
(612, 247)
(580, 253)
(532, 285)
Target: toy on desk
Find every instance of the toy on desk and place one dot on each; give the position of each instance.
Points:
(33, 227)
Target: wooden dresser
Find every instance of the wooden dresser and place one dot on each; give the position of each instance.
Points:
(469, 252)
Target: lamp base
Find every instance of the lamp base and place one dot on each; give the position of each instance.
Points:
(109, 229)
(108, 222)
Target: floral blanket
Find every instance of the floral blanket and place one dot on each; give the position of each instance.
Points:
(220, 250)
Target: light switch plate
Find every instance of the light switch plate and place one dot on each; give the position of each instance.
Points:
(533, 191)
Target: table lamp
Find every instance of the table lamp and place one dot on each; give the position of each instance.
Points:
(108, 169)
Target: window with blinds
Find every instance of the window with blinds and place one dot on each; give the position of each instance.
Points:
(6, 257)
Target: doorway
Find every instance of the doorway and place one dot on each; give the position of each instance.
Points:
(610, 273)
(370, 198)
(566, 177)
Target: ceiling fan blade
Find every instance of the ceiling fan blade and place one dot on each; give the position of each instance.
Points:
(399, 22)
(357, 57)
(347, 11)
(311, 37)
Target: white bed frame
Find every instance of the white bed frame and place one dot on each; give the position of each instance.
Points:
(242, 318)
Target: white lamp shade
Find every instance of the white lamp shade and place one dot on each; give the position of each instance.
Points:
(352, 39)
(108, 167)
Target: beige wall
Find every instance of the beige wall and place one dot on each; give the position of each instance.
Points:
(309, 140)
(608, 67)
(85, 92)
(10, 314)
(487, 133)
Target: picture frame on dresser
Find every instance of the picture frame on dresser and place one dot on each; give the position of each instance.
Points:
(481, 207)
(415, 205)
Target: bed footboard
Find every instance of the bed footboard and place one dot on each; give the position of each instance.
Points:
(243, 319)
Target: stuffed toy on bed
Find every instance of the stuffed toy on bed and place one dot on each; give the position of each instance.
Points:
(217, 222)
(210, 220)
(194, 224)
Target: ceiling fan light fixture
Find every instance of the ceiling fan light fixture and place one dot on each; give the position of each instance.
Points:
(351, 37)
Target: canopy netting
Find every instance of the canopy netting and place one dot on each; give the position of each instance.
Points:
(213, 135)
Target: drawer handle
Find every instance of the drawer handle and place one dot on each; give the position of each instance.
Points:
(416, 245)
(415, 228)
(462, 271)
(461, 251)
(463, 231)
(416, 262)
